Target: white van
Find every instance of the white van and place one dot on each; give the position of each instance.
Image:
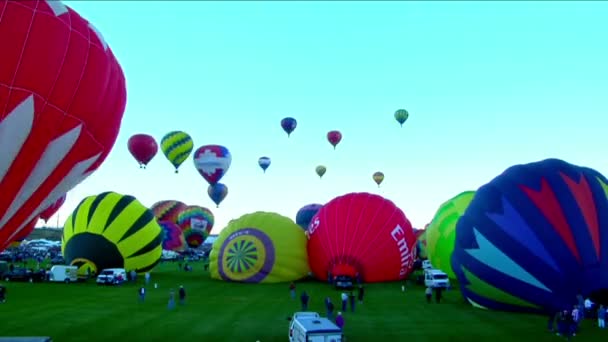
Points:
(426, 264)
(63, 273)
(310, 327)
(112, 276)
(436, 278)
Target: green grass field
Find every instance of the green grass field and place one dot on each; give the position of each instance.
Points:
(220, 311)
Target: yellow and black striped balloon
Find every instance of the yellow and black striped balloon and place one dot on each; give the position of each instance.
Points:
(111, 230)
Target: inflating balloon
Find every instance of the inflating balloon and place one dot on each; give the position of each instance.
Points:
(378, 177)
(264, 163)
(259, 248)
(212, 162)
(334, 138)
(305, 215)
(111, 230)
(401, 115)
(173, 238)
(441, 233)
(320, 170)
(51, 210)
(196, 223)
(534, 238)
(167, 210)
(63, 95)
(143, 148)
(176, 147)
(217, 192)
(23, 234)
(289, 125)
(361, 234)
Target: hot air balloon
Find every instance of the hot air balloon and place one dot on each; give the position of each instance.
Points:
(23, 234)
(196, 223)
(334, 138)
(111, 230)
(401, 116)
(167, 210)
(320, 170)
(176, 147)
(264, 163)
(51, 210)
(212, 162)
(59, 118)
(441, 233)
(260, 247)
(534, 238)
(289, 125)
(217, 192)
(378, 177)
(173, 238)
(143, 148)
(306, 213)
(361, 234)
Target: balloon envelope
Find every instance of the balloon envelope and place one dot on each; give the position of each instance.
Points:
(217, 193)
(320, 170)
(196, 223)
(378, 177)
(306, 213)
(111, 230)
(289, 125)
(176, 147)
(361, 233)
(212, 162)
(260, 247)
(63, 95)
(441, 233)
(334, 138)
(401, 115)
(143, 148)
(264, 163)
(173, 238)
(52, 209)
(167, 210)
(532, 239)
(23, 234)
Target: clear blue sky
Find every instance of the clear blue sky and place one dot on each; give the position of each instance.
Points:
(487, 85)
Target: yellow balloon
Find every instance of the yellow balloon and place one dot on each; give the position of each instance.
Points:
(261, 247)
(111, 230)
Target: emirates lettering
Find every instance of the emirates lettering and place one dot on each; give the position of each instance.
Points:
(398, 236)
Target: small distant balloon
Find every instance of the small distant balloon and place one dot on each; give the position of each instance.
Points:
(264, 163)
(217, 192)
(143, 148)
(378, 177)
(320, 170)
(289, 125)
(401, 116)
(334, 138)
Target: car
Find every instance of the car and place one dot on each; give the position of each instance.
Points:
(343, 282)
(436, 278)
(112, 276)
(310, 326)
(22, 274)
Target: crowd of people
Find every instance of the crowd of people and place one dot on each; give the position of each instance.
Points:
(567, 322)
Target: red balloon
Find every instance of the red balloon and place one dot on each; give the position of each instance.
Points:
(361, 233)
(52, 209)
(143, 148)
(62, 98)
(334, 138)
(23, 233)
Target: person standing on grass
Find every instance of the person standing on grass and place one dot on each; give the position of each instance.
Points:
(147, 277)
(330, 310)
(438, 291)
(292, 290)
(361, 294)
(182, 295)
(2, 294)
(551, 320)
(351, 297)
(171, 304)
(304, 299)
(429, 294)
(142, 294)
(576, 319)
(601, 317)
(340, 321)
(344, 298)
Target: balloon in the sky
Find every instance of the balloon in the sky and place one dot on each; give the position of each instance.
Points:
(534, 238)
(217, 192)
(306, 213)
(361, 233)
(143, 148)
(23, 234)
(378, 177)
(320, 170)
(52, 209)
(289, 125)
(111, 230)
(196, 223)
(173, 238)
(441, 233)
(62, 98)
(401, 115)
(334, 138)
(260, 247)
(167, 210)
(264, 163)
(212, 162)
(176, 147)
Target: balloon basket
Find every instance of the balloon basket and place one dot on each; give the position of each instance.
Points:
(176, 171)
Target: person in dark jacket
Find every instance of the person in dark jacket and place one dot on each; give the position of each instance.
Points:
(2, 294)
(182, 295)
(351, 298)
(304, 299)
(330, 310)
(361, 294)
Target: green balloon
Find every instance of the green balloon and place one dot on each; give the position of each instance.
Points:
(441, 233)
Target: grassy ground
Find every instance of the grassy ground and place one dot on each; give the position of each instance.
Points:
(219, 311)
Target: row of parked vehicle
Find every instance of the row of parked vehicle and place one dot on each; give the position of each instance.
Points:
(59, 273)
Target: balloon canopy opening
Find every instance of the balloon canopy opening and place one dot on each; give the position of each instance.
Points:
(344, 269)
